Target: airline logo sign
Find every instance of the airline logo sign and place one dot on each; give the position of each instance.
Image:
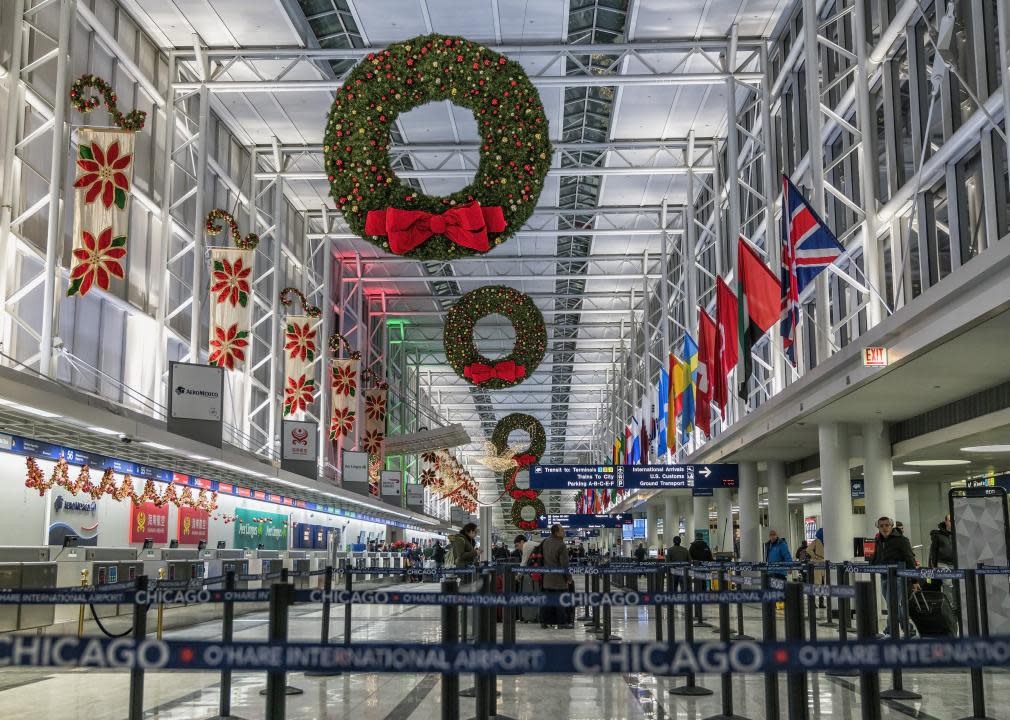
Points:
(193, 525)
(148, 522)
(875, 357)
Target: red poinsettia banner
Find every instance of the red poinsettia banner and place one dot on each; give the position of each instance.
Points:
(375, 423)
(344, 383)
(231, 271)
(101, 195)
(301, 347)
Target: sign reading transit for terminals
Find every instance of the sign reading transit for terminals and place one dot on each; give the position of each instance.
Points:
(633, 477)
(584, 520)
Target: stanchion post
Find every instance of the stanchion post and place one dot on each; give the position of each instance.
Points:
(671, 625)
(811, 606)
(971, 616)
(160, 623)
(227, 632)
(450, 637)
(509, 621)
(726, 678)
(983, 606)
(699, 608)
(348, 586)
(843, 620)
(586, 611)
(652, 583)
(896, 585)
(768, 635)
(830, 622)
(277, 690)
(595, 615)
(866, 629)
(324, 630)
(796, 682)
(690, 687)
(80, 612)
(608, 635)
(137, 674)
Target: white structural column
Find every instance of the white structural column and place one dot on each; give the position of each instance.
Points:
(836, 491)
(684, 503)
(652, 526)
(778, 500)
(750, 541)
(878, 474)
(724, 511)
(700, 513)
(671, 518)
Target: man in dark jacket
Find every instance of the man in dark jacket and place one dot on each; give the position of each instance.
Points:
(464, 550)
(699, 550)
(438, 554)
(640, 552)
(892, 547)
(555, 556)
(941, 555)
(677, 553)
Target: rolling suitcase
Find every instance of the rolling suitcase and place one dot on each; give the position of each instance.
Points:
(931, 614)
(529, 613)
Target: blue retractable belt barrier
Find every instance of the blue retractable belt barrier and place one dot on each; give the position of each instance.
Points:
(867, 569)
(657, 658)
(836, 591)
(932, 574)
(990, 570)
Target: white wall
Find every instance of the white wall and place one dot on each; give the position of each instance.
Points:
(26, 516)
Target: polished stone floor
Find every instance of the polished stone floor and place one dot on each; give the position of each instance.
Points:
(90, 695)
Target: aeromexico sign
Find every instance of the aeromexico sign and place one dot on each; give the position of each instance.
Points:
(73, 517)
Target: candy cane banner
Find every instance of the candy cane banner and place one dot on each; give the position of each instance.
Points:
(343, 398)
(301, 346)
(101, 194)
(230, 305)
(375, 423)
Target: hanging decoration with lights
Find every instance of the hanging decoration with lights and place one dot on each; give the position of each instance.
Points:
(525, 456)
(230, 293)
(515, 152)
(530, 343)
(101, 190)
(344, 376)
(60, 477)
(301, 348)
(517, 512)
(374, 440)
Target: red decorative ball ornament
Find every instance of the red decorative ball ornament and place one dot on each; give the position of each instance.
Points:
(515, 152)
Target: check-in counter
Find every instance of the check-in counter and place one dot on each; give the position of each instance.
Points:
(105, 566)
(225, 561)
(265, 562)
(35, 576)
(297, 563)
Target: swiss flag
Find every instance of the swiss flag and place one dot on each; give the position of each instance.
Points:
(707, 373)
(726, 354)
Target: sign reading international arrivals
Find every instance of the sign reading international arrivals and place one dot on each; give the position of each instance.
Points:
(700, 478)
(596, 521)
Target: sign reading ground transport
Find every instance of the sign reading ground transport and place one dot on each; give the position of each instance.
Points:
(594, 521)
(632, 477)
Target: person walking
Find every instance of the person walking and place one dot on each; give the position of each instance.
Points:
(555, 557)
(517, 548)
(438, 554)
(463, 549)
(699, 551)
(941, 556)
(816, 555)
(777, 551)
(640, 552)
(892, 547)
(678, 553)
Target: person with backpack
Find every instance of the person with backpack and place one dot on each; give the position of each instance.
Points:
(555, 556)
(438, 554)
(463, 549)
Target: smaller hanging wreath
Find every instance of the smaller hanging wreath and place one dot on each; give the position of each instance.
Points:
(248, 243)
(83, 103)
(517, 512)
(530, 344)
(525, 458)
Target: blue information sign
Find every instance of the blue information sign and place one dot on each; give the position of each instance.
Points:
(633, 477)
(596, 521)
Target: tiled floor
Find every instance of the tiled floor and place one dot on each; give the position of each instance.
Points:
(91, 695)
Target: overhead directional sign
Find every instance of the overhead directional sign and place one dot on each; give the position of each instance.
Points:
(585, 520)
(633, 477)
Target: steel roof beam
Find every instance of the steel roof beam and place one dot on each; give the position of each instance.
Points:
(650, 144)
(468, 173)
(495, 257)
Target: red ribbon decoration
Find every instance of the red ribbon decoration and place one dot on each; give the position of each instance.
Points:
(516, 494)
(506, 370)
(528, 524)
(524, 460)
(466, 225)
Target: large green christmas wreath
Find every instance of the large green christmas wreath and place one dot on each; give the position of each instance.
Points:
(530, 345)
(538, 444)
(515, 152)
(517, 509)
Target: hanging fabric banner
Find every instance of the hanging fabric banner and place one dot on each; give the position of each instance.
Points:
(231, 270)
(301, 346)
(230, 306)
(375, 424)
(101, 196)
(343, 398)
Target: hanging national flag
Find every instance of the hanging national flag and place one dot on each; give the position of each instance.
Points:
(725, 343)
(689, 370)
(662, 400)
(618, 451)
(671, 405)
(758, 306)
(707, 370)
(808, 247)
(627, 444)
(606, 498)
(597, 502)
(643, 432)
(636, 441)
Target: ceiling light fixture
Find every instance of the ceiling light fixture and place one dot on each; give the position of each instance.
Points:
(28, 409)
(986, 449)
(102, 430)
(936, 463)
(159, 446)
(906, 472)
(807, 482)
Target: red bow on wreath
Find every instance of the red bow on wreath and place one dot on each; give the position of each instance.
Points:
(466, 225)
(527, 524)
(524, 460)
(516, 494)
(506, 370)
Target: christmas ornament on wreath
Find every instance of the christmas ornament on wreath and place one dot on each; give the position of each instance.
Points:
(515, 152)
(523, 459)
(530, 343)
(517, 512)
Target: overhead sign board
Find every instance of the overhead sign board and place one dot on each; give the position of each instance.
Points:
(595, 521)
(355, 467)
(875, 357)
(391, 483)
(633, 477)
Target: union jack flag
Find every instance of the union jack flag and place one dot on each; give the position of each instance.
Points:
(808, 247)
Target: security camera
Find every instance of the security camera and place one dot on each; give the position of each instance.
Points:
(125, 439)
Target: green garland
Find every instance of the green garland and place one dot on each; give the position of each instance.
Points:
(515, 151)
(132, 121)
(528, 321)
(517, 509)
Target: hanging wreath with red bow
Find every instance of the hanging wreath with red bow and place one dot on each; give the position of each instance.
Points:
(515, 152)
(530, 344)
(525, 458)
(517, 512)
